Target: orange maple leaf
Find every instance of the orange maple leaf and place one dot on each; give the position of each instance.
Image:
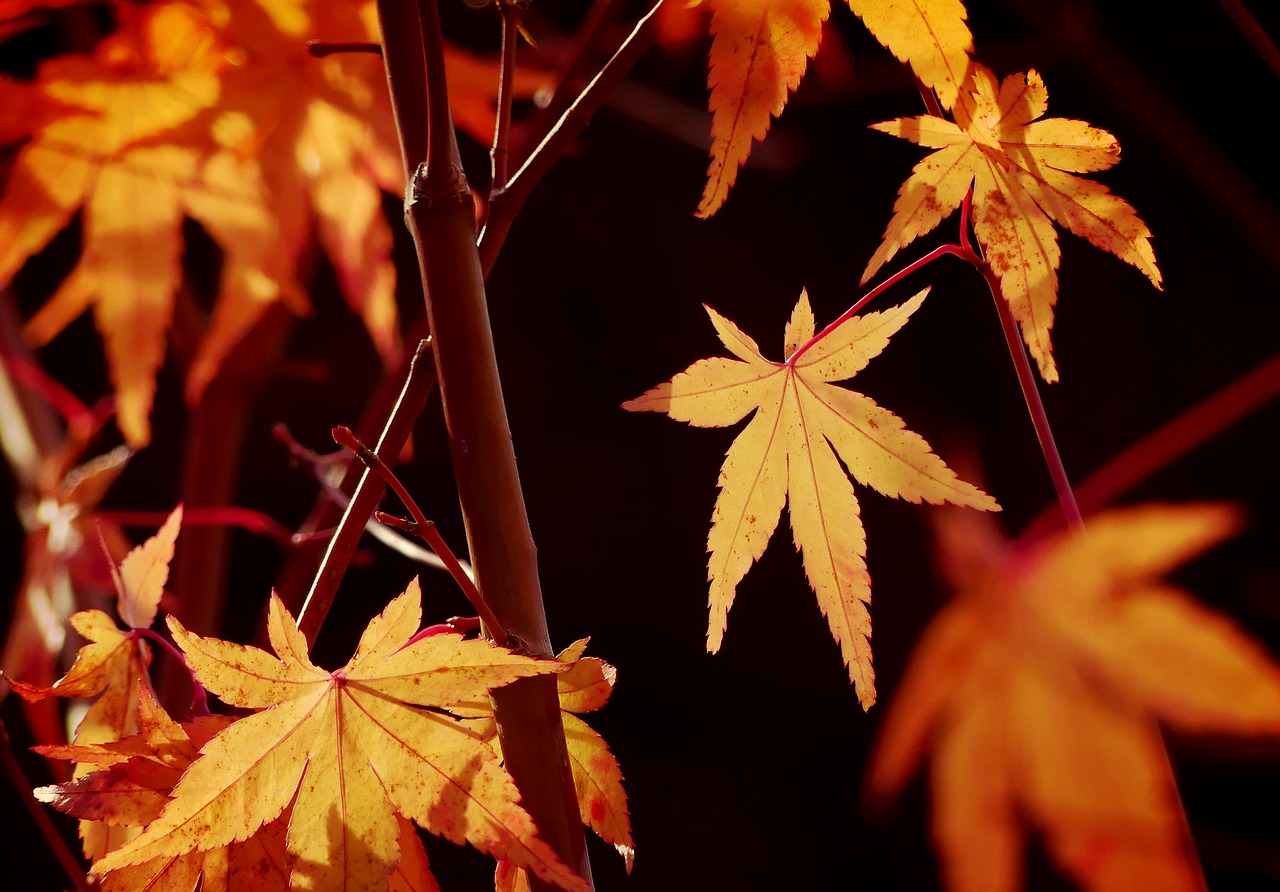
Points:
(1021, 167)
(350, 750)
(1039, 688)
(788, 451)
(114, 663)
(117, 150)
(132, 783)
(760, 49)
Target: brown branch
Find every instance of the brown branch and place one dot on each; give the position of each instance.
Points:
(439, 213)
(505, 204)
(413, 397)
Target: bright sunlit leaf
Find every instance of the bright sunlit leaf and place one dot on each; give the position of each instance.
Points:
(1022, 168)
(788, 453)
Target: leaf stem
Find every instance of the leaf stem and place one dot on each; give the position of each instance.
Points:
(322, 48)
(18, 778)
(200, 699)
(505, 204)
(498, 155)
(244, 518)
(418, 385)
(1031, 394)
(424, 528)
(940, 251)
(1174, 439)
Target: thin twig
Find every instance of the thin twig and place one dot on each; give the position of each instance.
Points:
(322, 48)
(1254, 33)
(578, 65)
(916, 266)
(500, 152)
(413, 397)
(13, 770)
(1171, 441)
(1031, 393)
(504, 205)
(425, 528)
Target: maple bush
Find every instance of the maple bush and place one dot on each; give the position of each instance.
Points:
(1043, 649)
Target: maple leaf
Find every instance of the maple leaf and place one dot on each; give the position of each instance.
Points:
(597, 777)
(350, 750)
(1021, 167)
(114, 663)
(120, 148)
(788, 452)
(1038, 690)
(760, 49)
(130, 788)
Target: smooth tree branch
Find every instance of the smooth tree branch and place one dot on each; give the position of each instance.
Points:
(439, 213)
(413, 397)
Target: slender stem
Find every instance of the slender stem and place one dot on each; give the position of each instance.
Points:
(930, 99)
(504, 205)
(498, 155)
(13, 770)
(576, 69)
(425, 528)
(1031, 393)
(322, 48)
(413, 397)
(941, 251)
(200, 700)
(1172, 440)
(1254, 33)
(244, 518)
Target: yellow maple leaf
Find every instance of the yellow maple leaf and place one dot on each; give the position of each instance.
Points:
(597, 777)
(760, 49)
(1021, 167)
(350, 750)
(1039, 688)
(788, 452)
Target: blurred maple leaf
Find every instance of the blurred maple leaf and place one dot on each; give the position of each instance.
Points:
(114, 663)
(1039, 688)
(786, 452)
(214, 111)
(1021, 167)
(348, 751)
(760, 49)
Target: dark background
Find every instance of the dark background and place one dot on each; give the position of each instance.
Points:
(744, 769)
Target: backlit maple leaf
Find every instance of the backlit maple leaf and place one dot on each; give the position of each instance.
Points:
(115, 149)
(760, 49)
(349, 750)
(114, 663)
(1039, 688)
(788, 452)
(1021, 167)
(597, 777)
(131, 783)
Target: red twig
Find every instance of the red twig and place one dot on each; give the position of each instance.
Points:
(941, 251)
(244, 518)
(424, 528)
(500, 152)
